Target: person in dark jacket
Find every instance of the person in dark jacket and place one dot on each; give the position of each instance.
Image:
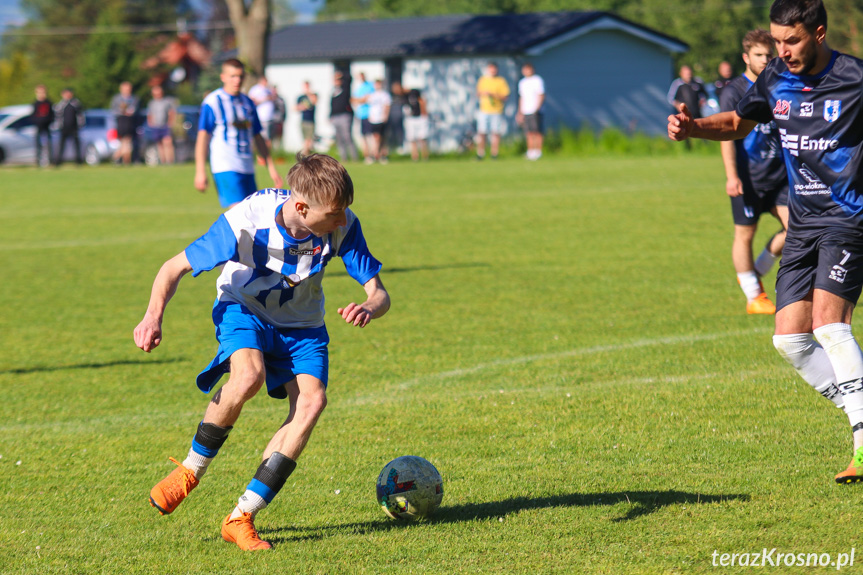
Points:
(70, 118)
(43, 116)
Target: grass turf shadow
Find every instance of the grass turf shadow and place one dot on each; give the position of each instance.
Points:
(92, 365)
(641, 502)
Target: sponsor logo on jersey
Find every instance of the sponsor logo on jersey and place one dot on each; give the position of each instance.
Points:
(813, 186)
(832, 108)
(807, 109)
(794, 143)
(782, 110)
(307, 252)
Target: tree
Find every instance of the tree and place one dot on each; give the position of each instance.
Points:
(252, 29)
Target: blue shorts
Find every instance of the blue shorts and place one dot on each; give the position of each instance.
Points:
(287, 352)
(234, 187)
(490, 123)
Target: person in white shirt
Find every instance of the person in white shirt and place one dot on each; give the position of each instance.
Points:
(379, 103)
(264, 98)
(531, 96)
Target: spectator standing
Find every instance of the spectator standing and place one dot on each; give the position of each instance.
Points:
(43, 116)
(280, 114)
(379, 103)
(531, 97)
(263, 97)
(359, 99)
(689, 90)
(342, 117)
(396, 121)
(306, 105)
(417, 125)
(726, 76)
(492, 91)
(124, 106)
(70, 118)
(227, 128)
(161, 114)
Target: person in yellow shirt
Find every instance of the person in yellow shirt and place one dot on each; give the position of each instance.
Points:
(492, 91)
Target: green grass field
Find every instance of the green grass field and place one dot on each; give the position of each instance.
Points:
(567, 344)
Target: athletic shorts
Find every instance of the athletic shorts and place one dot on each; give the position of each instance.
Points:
(533, 123)
(125, 126)
(379, 129)
(416, 128)
(832, 262)
(308, 129)
(234, 187)
(287, 352)
(747, 209)
(159, 133)
(489, 123)
(365, 127)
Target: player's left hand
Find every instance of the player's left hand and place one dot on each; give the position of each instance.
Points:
(355, 314)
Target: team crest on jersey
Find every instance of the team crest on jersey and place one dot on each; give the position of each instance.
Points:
(807, 109)
(832, 108)
(782, 110)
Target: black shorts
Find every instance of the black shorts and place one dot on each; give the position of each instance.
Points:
(365, 127)
(379, 128)
(125, 126)
(832, 261)
(747, 209)
(533, 123)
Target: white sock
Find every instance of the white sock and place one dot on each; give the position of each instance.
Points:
(750, 284)
(810, 360)
(249, 502)
(847, 361)
(197, 463)
(765, 261)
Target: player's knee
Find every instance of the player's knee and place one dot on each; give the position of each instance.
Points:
(793, 347)
(246, 380)
(311, 404)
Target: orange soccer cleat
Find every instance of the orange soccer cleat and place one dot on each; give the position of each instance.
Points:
(854, 473)
(761, 305)
(241, 530)
(170, 492)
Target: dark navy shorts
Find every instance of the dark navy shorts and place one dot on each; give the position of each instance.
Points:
(287, 352)
(747, 209)
(832, 262)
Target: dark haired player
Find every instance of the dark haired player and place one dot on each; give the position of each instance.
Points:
(814, 96)
(756, 180)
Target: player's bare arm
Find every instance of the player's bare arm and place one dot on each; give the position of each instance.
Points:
(264, 152)
(202, 149)
(148, 333)
(733, 185)
(718, 127)
(377, 304)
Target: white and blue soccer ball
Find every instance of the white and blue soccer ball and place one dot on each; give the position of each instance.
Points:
(409, 487)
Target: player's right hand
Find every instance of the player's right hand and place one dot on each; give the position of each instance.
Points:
(201, 182)
(734, 187)
(680, 124)
(148, 334)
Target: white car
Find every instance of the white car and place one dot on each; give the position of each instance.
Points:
(18, 137)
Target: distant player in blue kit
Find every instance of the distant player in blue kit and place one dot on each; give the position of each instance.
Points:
(227, 129)
(756, 180)
(814, 96)
(269, 317)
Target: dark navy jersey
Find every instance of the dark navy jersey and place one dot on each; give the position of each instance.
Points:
(759, 155)
(820, 120)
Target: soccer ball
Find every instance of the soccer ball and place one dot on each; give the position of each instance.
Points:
(409, 487)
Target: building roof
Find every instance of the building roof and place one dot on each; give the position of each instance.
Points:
(447, 36)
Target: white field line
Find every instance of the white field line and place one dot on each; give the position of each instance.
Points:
(87, 243)
(671, 340)
(90, 424)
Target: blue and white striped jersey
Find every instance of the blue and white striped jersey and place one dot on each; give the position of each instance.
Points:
(262, 261)
(232, 122)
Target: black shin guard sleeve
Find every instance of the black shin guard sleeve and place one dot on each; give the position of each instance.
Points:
(275, 471)
(211, 436)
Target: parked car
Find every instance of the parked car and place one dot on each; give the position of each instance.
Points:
(184, 130)
(18, 137)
